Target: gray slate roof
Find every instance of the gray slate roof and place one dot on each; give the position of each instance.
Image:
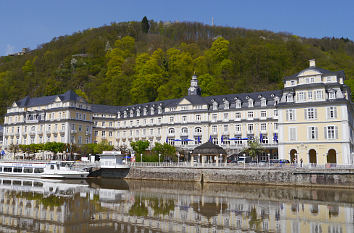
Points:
(208, 148)
(322, 71)
(45, 100)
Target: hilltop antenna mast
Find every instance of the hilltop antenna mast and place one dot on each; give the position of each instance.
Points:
(212, 21)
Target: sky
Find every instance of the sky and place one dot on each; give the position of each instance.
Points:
(27, 24)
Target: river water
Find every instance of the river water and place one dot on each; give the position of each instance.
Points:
(111, 205)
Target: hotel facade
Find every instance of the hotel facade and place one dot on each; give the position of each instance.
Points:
(309, 120)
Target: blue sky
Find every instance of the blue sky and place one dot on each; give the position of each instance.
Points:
(26, 23)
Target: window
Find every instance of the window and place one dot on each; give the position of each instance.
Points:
(309, 95)
(103, 133)
(226, 116)
(238, 104)
(172, 119)
(137, 132)
(290, 115)
(332, 112)
(292, 134)
(293, 83)
(151, 132)
(263, 102)
(159, 120)
(318, 95)
(250, 128)
(152, 121)
(103, 123)
(184, 119)
(310, 113)
(198, 130)
(214, 117)
(198, 118)
(275, 112)
(250, 115)
(331, 95)
(110, 124)
(171, 130)
(301, 96)
(238, 127)
(197, 140)
(96, 133)
(110, 133)
(312, 133)
(250, 103)
(214, 129)
(312, 80)
(80, 128)
(263, 126)
(263, 114)
(331, 132)
(184, 130)
(226, 128)
(275, 126)
(238, 115)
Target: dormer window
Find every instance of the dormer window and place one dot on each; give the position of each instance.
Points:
(226, 104)
(293, 82)
(238, 103)
(263, 102)
(312, 80)
(276, 100)
(145, 111)
(152, 110)
(125, 114)
(131, 113)
(138, 112)
(289, 97)
(215, 105)
(118, 114)
(331, 94)
(159, 110)
(250, 103)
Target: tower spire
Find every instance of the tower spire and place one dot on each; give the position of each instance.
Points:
(194, 89)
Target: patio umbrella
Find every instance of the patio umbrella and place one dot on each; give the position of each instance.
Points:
(187, 140)
(177, 140)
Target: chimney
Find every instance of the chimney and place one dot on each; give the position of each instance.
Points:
(312, 63)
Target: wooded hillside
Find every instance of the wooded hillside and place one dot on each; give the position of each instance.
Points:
(134, 62)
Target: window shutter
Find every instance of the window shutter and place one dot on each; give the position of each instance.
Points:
(325, 132)
(305, 113)
(308, 132)
(335, 112)
(316, 132)
(328, 113)
(315, 113)
(336, 131)
(287, 115)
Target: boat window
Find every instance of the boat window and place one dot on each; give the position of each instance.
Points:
(16, 182)
(7, 169)
(28, 170)
(37, 184)
(58, 166)
(27, 183)
(52, 167)
(38, 170)
(0, 169)
(7, 182)
(17, 169)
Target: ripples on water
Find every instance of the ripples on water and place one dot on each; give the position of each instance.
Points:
(108, 205)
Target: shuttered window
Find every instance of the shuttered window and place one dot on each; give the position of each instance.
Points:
(292, 134)
(331, 132)
(312, 133)
(290, 115)
(331, 112)
(310, 113)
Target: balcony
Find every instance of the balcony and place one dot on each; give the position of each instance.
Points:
(48, 132)
(62, 131)
(184, 134)
(32, 121)
(55, 131)
(40, 132)
(32, 133)
(73, 131)
(198, 133)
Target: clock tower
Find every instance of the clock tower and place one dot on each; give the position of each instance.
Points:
(194, 89)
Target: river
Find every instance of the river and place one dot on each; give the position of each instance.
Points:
(111, 205)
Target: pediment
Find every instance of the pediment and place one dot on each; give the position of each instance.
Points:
(14, 105)
(184, 101)
(309, 72)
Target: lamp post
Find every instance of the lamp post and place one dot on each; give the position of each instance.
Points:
(177, 158)
(141, 158)
(159, 158)
(269, 159)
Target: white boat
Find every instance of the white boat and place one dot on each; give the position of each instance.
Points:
(41, 169)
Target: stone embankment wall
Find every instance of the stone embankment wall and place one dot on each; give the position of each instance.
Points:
(263, 176)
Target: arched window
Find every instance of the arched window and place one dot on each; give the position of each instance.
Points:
(184, 130)
(171, 130)
(198, 130)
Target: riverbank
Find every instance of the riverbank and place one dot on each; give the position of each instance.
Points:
(343, 178)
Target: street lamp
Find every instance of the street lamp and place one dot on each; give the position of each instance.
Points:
(141, 158)
(269, 159)
(178, 158)
(159, 158)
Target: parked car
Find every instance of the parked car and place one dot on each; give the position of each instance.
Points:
(244, 159)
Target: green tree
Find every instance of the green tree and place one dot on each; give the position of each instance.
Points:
(55, 147)
(254, 148)
(166, 150)
(140, 146)
(145, 26)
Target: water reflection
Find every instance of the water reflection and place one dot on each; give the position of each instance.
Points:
(108, 205)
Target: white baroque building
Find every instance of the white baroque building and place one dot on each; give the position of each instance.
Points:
(310, 119)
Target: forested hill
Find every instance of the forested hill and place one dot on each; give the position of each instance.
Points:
(135, 62)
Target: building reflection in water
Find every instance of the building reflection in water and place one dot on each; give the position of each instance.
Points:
(120, 206)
